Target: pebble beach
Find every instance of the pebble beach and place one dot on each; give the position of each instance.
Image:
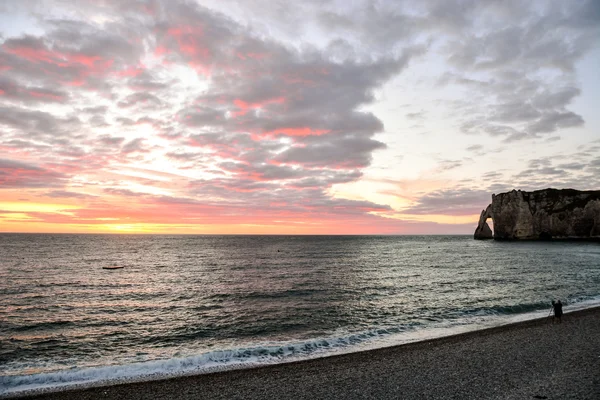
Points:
(528, 360)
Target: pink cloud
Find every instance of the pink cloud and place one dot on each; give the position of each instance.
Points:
(14, 90)
(227, 132)
(250, 55)
(71, 53)
(245, 106)
(295, 132)
(46, 96)
(18, 174)
(94, 64)
(131, 71)
(189, 44)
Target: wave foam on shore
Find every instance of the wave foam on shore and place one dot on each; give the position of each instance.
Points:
(262, 354)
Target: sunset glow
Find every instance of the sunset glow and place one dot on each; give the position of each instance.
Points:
(227, 117)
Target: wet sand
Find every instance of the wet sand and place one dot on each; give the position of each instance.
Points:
(529, 360)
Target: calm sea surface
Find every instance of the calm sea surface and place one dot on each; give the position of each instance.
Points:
(188, 304)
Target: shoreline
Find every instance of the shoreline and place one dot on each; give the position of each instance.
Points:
(495, 350)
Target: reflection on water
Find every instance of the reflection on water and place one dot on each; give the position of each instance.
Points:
(187, 295)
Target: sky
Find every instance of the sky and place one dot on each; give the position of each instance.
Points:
(281, 117)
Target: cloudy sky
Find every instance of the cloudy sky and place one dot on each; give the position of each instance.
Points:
(273, 116)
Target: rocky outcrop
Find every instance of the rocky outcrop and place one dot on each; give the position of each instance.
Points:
(543, 215)
(483, 230)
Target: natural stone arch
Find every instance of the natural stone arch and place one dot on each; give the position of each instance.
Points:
(483, 230)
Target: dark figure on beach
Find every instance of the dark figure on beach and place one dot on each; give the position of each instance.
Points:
(557, 305)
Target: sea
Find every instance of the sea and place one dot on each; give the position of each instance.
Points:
(186, 305)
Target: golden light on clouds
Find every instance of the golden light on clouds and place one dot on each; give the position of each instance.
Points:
(25, 207)
(440, 219)
(188, 118)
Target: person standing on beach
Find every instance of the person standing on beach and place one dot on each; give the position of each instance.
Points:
(557, 305)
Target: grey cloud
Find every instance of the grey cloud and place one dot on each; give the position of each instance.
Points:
(37, 123)
(115, 41)
(551, 122)
(501, 130)
(515, 112)
(507, 51)
(286, 92)
(550, 171)
(573, 166)
(71, 151)
(321, 181)
(415, 115)
(340, 50)
(345, 152)
(446, 165)
(201, 116)
(457, 201)
(8, 164)
(539, 162)
(587, 13)
(123, 192)
(26, 145)
(540, 171)
(11, 89)
(176, 200)
(516, 136)
(141, 99)
(265, 172)
(185, 156)
(450, 77)
(557, 99)
(475, 148)
(146, 81)
(18, 174)
(98, 121)
(517, 118)
(233, 190)
(148, 120)
(517, 45)
(95, 110)
(552, 139)
(73, 53)
(125, 121)
(254, 195)
(108, 140)
(492, 175)
(303, 88)
(69, 195)
(90, 40)
(500, 188)
(135, 145)
(595, 163)
(332, 20)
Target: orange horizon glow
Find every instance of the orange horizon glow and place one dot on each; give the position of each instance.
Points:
(146, 215)
(182, 118)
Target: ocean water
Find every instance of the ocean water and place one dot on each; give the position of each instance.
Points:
(193, 304)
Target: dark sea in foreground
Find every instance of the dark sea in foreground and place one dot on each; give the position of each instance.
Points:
(193, 304)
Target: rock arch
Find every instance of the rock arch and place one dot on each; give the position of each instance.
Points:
(483, 230)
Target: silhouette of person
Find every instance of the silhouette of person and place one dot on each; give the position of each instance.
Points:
(557, 305)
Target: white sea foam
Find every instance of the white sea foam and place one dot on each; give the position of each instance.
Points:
(268, 353)
(470, 324)
(151, 370)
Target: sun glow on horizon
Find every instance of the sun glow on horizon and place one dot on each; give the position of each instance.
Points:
(215, 117)
(25, 207)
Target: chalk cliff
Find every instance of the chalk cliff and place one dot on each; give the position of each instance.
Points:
(542, 215)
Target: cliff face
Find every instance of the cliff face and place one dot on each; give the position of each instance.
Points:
(542, 215)
(483, 230)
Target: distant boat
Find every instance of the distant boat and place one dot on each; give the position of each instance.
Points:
(113, 267)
